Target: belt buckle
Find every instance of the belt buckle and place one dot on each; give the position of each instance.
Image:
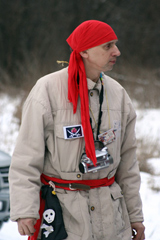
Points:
(70, 187)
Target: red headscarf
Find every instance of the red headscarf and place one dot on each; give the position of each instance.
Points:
(88, 34)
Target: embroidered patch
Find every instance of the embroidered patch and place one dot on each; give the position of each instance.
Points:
(75, 131)
(107, 137)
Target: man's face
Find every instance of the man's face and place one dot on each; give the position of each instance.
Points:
(102, 57)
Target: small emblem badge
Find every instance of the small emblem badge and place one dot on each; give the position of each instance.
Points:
(107, 137)
(75, 131)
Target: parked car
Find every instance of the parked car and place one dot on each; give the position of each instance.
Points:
(5, 160)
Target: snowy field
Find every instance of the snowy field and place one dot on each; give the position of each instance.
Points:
(147, 128)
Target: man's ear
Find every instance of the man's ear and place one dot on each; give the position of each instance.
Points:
(84, 54)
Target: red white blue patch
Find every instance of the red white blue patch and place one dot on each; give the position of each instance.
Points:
(71, 132)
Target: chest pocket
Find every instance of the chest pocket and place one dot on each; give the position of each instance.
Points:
(69, 151)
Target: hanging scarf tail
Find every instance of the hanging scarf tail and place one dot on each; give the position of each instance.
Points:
(82, 90)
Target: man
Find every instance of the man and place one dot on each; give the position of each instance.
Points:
(64, 117)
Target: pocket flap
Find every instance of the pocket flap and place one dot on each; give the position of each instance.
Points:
(116, 191)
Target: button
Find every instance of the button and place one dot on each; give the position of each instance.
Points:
(110, 175)
(91, 94)
(92, 208)
(78, 175)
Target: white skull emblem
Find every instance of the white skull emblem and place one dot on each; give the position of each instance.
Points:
(49, 215)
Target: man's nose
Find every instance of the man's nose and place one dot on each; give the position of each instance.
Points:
(116, 51)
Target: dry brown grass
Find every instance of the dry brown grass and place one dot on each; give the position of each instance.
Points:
(147, 151)
(142, 84)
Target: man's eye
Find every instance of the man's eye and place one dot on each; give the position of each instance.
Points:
(108, 46)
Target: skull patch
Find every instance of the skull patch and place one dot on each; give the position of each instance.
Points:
(49, 215)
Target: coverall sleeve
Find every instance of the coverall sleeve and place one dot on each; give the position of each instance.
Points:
(27, 161)
(128, 174)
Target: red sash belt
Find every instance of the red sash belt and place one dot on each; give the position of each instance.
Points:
(73, 185)
(70, 185)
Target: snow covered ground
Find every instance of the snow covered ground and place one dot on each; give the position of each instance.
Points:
(147, 128)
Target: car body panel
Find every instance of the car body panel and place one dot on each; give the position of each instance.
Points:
(5, 160)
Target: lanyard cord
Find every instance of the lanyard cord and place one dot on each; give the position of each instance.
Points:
(100, 109)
